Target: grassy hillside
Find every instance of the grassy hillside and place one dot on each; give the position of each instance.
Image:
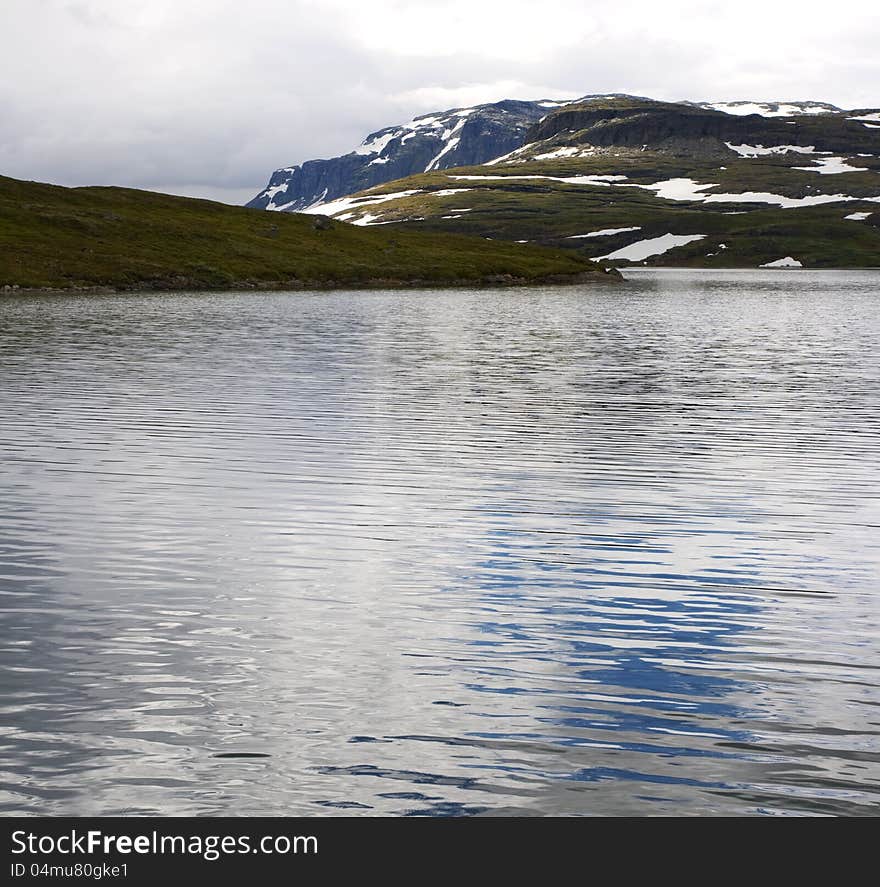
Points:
(54, 237)
(558, 214)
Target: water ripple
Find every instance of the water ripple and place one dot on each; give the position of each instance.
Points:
(456, 553)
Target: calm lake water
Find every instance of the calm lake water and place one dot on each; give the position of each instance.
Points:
(548, 551)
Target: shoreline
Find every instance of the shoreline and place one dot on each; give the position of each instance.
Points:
(604, 277)
(873, 268)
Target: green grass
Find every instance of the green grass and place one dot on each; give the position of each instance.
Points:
(54, 237)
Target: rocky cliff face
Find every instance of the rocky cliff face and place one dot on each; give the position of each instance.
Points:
(460, 137)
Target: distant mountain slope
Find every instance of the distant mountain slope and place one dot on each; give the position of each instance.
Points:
(460, 137)
(694, 130)
(53, 237)
(630, 180)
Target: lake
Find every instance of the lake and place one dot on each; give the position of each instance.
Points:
(549, 551)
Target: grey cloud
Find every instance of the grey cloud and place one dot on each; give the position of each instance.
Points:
(208, 98)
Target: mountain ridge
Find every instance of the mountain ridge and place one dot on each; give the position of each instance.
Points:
(625, 180)
(466, 136)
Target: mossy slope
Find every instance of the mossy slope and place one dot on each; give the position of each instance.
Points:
(55, 237)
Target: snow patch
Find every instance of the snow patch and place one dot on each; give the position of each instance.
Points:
(678, 189)
(653, 246)
(567, 151)
(346, 204)
(778, 199)
(787, 262)
(605, 232)
(316, 203)
(449, 146)
(558, 152)
(451, 137)
(760, 150)
(271, 192)
(568, 180)
(591, 180)
(421, 122)
(829, 166)
(376, 144)
(858, 217)
(768, 109)
(688, 189)
(508, 156)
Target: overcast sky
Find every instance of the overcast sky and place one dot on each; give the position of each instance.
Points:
(207, 97)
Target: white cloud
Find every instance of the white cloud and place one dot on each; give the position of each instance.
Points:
(211, 95)
(437, 98)
(515, 30)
